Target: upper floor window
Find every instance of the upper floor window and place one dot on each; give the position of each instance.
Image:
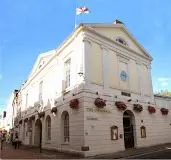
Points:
(26, 100)
(67, 73)
(122, 41)
(40, 90)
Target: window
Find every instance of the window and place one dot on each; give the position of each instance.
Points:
(65, 119)
(40, 91)
(122, 41)
(26, 100)
(67, 73)
(48, 128)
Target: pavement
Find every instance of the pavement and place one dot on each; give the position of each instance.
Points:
(8, 152)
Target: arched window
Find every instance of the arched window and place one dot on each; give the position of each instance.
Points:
(65, 119)
(48, 128)
(122, 41)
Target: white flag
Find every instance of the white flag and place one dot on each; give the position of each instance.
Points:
(82, 10)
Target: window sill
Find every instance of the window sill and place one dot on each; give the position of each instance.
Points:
(67, 90)
(65, 143)
(48, 142)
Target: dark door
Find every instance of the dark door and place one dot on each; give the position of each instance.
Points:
(128, 132)
(40, 137)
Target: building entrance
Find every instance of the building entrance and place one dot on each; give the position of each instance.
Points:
(128, 124)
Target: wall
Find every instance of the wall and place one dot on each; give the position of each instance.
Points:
(98, 123)
(106, 64)
(52, 76)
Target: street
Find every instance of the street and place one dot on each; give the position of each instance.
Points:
(161, 154)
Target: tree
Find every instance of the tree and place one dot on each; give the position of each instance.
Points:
(164, 93)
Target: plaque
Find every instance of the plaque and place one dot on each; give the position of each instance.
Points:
(143, 132)
(114, 133)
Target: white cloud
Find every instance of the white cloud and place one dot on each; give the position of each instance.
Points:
(164, 79)
(0, 76)
(164, 84)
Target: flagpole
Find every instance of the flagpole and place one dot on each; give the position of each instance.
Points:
(75, 25)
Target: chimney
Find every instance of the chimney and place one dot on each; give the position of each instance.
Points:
(117, 22)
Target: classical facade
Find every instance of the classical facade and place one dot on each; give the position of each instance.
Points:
(93, 95)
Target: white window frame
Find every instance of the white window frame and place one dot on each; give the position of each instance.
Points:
(26, 100)
(40, 91)
(67, 67)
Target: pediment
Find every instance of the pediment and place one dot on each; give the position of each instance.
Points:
(41, 61)
(118, 31)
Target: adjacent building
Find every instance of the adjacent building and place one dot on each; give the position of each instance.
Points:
(93, 95)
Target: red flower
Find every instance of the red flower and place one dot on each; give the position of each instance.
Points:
(74, 103)
(151, 109)
(164, 111)
(138, 107)
(120, 105)
(99, 102)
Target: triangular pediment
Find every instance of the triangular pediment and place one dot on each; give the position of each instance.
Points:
(41, 61)
(119, 31)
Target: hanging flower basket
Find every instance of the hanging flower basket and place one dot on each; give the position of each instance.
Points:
(74, 103)
(25, 120)
(138, 108)
(100, 103)
(120, 105)
(164, 111)
(151, 109)
(20, 122)
(32, 117)
(41, 114)
(54, 110)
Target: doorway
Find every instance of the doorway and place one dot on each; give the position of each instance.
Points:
(128, 126)
(38, 133)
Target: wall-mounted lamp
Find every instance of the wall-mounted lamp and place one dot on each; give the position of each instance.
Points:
(81, 74)
(97, 93)
(137, 100)
(116, 96)
(129, 100)
(148, 102)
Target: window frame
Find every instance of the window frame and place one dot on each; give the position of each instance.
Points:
(67, 69)
(41, 91)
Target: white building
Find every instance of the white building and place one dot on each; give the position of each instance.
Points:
(98, 85)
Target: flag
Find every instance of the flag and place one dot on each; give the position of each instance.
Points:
(82, 10)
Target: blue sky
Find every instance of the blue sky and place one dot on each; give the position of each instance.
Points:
(30, 27)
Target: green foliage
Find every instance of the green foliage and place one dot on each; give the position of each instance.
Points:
(164, 93)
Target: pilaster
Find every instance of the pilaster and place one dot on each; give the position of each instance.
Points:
(105, 67)
(86, 67)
